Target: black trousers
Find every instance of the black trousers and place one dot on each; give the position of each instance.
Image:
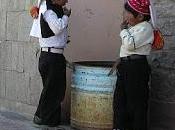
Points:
(52, 68)
(131, 94)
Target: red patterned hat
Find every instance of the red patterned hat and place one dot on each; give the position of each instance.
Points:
(140, 6)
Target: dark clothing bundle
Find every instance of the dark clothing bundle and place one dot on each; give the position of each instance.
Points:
(131, 94)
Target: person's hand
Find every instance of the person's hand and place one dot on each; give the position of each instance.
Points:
(34, 12)
(124, 25)
(67, 11)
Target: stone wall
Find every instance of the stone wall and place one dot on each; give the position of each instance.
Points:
(20, 82)
(162, 114)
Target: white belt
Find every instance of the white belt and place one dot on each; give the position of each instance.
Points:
(53, 50)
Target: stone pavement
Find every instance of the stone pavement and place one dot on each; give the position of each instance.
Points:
(14, 121)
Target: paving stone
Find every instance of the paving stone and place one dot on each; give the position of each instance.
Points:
(15, 121)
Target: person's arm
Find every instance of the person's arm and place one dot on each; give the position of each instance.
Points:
(34, 12)
(56, 24)
(139, 37)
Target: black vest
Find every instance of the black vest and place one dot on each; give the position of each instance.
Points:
(46, 32)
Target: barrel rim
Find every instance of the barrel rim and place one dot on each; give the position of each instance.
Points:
(98, 64)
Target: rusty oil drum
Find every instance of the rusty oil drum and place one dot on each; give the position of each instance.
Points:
(91, 95)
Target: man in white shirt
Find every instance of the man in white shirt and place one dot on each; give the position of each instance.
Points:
(52, 34)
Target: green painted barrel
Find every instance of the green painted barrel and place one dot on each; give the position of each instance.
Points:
(91, 95)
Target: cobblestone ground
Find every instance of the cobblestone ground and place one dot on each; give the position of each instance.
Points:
(14, 121)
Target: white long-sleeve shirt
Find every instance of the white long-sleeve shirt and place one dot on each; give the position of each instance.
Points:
(57, 25)
(137, 39)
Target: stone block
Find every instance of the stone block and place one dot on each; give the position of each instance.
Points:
(3, 5)
(12, 56)
(22, 108)
(165, 15)
(166, 25)
(162, 59)
(2, 84)
(18, 5)
(29, 3)
(13, 25)
(162, 85)
(15, 5)
(164, 8)
(25, 26)
(18, 26)
(17, 86)
(2, 25)
(19, 76)
(31, 56)
(162, 115)
(35, 89)
(169, 43)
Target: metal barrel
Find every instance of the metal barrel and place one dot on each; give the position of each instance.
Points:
(92, 95)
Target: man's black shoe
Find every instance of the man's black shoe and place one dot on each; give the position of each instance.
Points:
(37, 120)
(39, 124)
